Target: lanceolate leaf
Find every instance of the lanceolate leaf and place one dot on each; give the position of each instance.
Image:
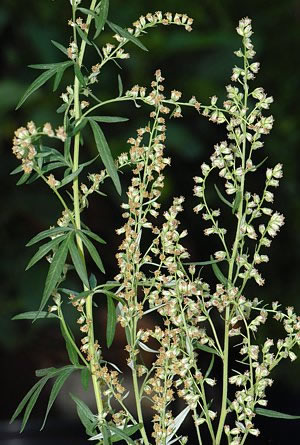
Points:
(222, 197)
(85, 378)
(102, 17)
(79, 75)
(124, 33)
(218, 273)
(43, 250)
(120, 85)
(33, 401)
(236, 202)
(275, 414)
(39, 81)
(92, 251)
(206, 348)
(72, 353)
(59, 382)
(120, 433)
(47, 233)
(78, 262)
(105, 154)
(59, 74)
(83, 407)
(60, 47)
(83, 35)
(111, 321)
(55, 271)
(94, 236)
(204, 263)
(108, 119)
(70, 177)
(33, 315)
(49, 66)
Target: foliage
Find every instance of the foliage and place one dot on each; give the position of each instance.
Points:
(154, 274)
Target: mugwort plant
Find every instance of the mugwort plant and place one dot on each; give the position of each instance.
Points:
(195, 319)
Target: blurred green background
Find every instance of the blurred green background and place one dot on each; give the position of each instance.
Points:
(197, 63)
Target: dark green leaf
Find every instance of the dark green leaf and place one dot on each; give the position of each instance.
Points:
(102, 17)
(206, 348)
(18, 169)
(275, 414)
(60, 47)
(120, 85)
(85, 378)
(49, 66)
(85, 415)
(55, 271)
(43, 250)
(120, 433)
(67, 146)
(210, 366)
(236, 202)
(106, 435)
(93, 281)
(69, 178)
(33, 315)
(83, 35)
(59, 75)
(32, 401)
(255, 167)
(79, 126)
(36, 84)
(130, 430)
(124, 33)
(47, 233)
(78, 262)
(92, 251)
(26, 398)
(203, 263)
(108, 119)
(111, 321)
(59, 382)
(88, 12)
(79, 75)
(23, 178)
(222, 197)
(83, 406)
(62, 108)
(94, 236)
(105, 154)
(218, 273)
(72, 353)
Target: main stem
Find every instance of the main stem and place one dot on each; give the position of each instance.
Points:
(89, 301)
(230, 272)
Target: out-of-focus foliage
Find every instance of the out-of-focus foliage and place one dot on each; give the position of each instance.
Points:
(197, 63)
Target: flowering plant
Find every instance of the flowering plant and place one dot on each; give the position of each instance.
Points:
(195, 319)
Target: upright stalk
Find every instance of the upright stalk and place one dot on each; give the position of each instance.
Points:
(76, 198)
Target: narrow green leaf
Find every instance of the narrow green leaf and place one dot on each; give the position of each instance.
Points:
(203, 263)
(210, 366)
(72, 353)
(88, 12)
(218, 273)
(120, 433)
(255, 167)
(94, 236)
(60, 47)
(36, 84)
(49, 66)
(106, 435)
(23, 178)
(33, 315)
(222, 197)
(69, 178)
(130, 430)
(124, 33)
(62, 108)
(47, 233)
(88, 413)
(120, 85)
(108, 119)
(92, 251)
(44, 249)
(275, 414)
(101, 17)
(33, 401)
(78, 127)
(45, 371)
(58, 384)
(83, 35)
(111, 321)
(93, 281)
(55, 271)
(78, 262)
(59, 74)
(79, 75)
(26, 398)
(206, 349)
(85, 378)
(105, 155)
(236, 202)
(67, 147)
(18, 169)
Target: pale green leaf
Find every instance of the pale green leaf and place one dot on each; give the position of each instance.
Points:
(111, 321)
(124, 33)
(33, 315)
(275, 414)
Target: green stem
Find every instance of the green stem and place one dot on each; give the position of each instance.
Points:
(139, 407)
(76, 199)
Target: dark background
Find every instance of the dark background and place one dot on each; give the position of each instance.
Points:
(197, 63)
